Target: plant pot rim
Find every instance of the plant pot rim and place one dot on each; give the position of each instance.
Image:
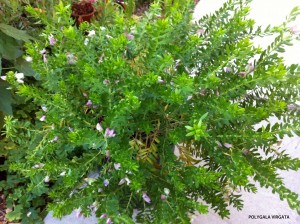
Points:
(86, 14)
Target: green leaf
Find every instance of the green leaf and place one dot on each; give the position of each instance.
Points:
(15, 33)
(190, 134)
(23, 66)
(189, 127)
(9, 47)
(5, 99)
(15, 214)
(203, 116)
(0, 64)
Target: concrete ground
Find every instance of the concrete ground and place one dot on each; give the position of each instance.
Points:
(264, 202)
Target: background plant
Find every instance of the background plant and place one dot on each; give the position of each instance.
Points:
(115, 96)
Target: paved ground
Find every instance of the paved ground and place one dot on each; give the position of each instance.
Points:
(264, 202)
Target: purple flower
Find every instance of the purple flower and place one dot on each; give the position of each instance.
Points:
(146, 198)
(117, 166)
(89, 103)
(45, 58)
(43, 51)
(250, 67)
(246, 152)
(103, 216)
(163, 197)
(44, 108)
(78, 213)
(43, 118)
(108, 221)
(106, 82)
(106, 182)
(99, 127)
(159, 80)
(227, 69)
(109, 133)
(54, 139)
(227, 145)
(292, 107)
(294, 30)
(122, 181)
(72, 59)
(200, 32)
(243, 74)
(129, 36)
(52, 40)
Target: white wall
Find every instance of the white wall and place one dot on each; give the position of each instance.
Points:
(264, 202)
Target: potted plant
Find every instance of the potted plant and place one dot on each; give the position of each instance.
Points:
(114, 97)
(83, 11)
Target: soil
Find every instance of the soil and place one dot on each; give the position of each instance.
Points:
(142, 8)
(82, 8)
(2, 209)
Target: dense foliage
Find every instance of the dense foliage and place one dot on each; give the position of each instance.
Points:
(115, 97)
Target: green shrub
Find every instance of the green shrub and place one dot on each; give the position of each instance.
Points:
(115, 98)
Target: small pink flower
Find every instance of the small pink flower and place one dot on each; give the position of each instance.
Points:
(242, 74)
(292, 107)
(43, 51)
(78, 213)
(129, 36)
(103, 216)
(52, 40)
(122, 181)
(45, 58)
(163, 197)
(55, 139)
(109, 133)
(117, 166)
(106, 182)
(159, 80)
(106, 82)
(99, 127)
(200, 32)
(250, 67)
(89, 103)
(44, 108)
(146, 198)
(227, 69)
(108, 221)
(227, 145)
(294, 30)
(72, 59)
(43, 118)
